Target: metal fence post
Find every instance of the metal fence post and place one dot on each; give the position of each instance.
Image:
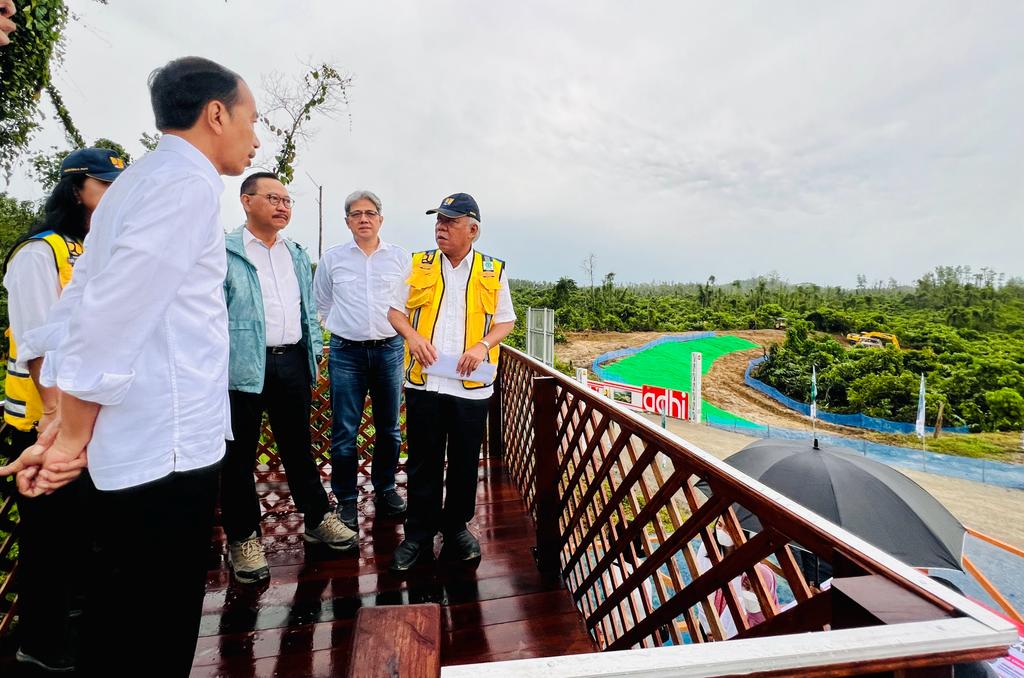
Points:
(545, 469)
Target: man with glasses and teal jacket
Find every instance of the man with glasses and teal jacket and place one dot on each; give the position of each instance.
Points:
(275, 344)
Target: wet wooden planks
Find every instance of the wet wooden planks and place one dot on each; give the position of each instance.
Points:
(301, 624)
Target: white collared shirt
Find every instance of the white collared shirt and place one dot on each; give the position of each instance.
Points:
(450, 328)
(353, 290)
(282, 305)
(142, 329)
(33, 287)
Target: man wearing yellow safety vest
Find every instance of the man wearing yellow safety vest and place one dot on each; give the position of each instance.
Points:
(37, 269)
(453, 311)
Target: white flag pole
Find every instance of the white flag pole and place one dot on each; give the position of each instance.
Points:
(919, 424)
(814, 405)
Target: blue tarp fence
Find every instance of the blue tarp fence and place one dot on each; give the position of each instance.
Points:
(599, 371)
(949, 465)
(854, 420)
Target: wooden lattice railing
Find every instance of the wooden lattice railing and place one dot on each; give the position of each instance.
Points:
(8, 554)
(626, 514)
(268, 466)
(320, 429)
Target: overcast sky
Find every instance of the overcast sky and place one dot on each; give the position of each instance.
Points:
(672, 140)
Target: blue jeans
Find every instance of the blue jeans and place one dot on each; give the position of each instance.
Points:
(354, 370)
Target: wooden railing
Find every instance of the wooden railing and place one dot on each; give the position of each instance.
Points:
(626, 513)
(268, 466)
(8, 558)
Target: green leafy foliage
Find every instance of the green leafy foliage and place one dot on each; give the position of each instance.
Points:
(963, 331)
(25, 73)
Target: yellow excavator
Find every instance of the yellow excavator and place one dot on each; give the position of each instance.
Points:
(873, 339)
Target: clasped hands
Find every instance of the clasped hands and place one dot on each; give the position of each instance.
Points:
(426, 354)
(48, 465)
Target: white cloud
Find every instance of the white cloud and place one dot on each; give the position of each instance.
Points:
(673, 140)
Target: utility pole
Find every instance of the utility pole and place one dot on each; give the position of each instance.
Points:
(320, 204)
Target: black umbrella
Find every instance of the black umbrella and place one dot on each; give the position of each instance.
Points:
(869, 499)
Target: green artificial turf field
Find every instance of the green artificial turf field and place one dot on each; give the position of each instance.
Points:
(668, 365)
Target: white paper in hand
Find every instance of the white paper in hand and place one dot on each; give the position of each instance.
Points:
(445, 365)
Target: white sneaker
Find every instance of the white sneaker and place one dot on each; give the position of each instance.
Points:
(248, 560)
(333, 533)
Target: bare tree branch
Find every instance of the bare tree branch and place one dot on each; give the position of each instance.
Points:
(291, 103)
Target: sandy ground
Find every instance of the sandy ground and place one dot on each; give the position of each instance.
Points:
(972, 502)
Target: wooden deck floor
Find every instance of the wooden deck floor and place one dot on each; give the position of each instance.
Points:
(301, 623)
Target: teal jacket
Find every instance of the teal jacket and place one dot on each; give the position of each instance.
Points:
(246, 324)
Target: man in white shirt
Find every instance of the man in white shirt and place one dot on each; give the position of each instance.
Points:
(455, 303)
(353, 285)
(275, 347)
(138, 346)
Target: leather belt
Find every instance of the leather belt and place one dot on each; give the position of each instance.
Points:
(368, 343)
(280, 350)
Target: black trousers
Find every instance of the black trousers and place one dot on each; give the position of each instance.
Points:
(286, 399)
(151, 554)
(435, 424)
(53, 551)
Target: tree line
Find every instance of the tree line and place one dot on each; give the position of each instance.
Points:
(962, 328)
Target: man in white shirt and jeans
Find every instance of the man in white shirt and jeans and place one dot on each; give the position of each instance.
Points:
(353, 287)
(275, 347)
(138, 346)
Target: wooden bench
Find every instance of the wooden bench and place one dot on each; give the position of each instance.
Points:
(397, 641)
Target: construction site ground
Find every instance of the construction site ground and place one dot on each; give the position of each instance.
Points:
(988, 508)
(724, 388)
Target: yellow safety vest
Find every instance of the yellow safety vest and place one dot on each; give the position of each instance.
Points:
(426, 290)
(22, 405)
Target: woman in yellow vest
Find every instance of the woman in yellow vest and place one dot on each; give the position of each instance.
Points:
(36, 270)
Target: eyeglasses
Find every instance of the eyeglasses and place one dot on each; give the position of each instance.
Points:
(276, 200)
(359, 214)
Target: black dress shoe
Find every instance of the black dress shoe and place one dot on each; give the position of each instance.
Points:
(51, 663)
(460, 545)
(390, 504)
(348, 513)
(409, 553)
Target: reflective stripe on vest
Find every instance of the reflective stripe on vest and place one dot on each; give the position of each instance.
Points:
(23, 407)
(426, 292)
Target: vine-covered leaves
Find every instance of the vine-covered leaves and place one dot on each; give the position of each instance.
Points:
(25, 72)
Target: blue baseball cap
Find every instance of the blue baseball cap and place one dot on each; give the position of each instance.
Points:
(98, 163)
(458, 205)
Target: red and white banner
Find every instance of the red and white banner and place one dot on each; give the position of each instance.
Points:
(659, 400)
(653, 399)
